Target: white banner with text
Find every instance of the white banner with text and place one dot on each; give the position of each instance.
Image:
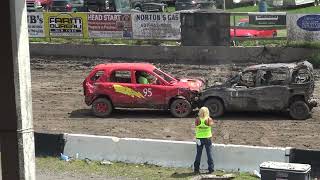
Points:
(156, 26)
(303, 27)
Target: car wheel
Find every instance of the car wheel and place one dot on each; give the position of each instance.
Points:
(180, 108)
(215, 107)
(102, 107)
(299, 110)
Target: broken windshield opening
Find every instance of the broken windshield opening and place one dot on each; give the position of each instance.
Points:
(301, 76)
(165, 76)
(247, 79)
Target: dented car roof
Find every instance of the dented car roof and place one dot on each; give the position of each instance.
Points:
(136, 66)
(280, 65)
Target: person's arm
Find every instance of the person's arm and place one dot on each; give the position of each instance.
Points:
(197, 122)
(210, 122)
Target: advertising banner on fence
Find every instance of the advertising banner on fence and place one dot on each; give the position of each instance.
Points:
(303, 27)
(66, 24)
(35, 24)
(110, 25)
(156, 26)
(267, 18)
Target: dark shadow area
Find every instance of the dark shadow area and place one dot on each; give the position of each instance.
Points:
(307, 156)
(81, 113)
(48, 144)
(182, 175)
(128, 113)
(254, 116)
(163, 114)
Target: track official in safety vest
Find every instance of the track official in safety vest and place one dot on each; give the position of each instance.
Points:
(203, 138)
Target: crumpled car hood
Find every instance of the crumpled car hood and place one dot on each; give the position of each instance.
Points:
(193, 84)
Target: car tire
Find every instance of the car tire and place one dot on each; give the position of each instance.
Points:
(215, 107)
(102, 107)
(299, 110)
(180, 108)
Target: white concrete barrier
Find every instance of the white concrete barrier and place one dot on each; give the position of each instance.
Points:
(169, 153)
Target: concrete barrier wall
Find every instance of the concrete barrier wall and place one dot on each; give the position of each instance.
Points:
(175, 54)
(169, 153)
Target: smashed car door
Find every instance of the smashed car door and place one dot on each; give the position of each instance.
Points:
(243, 93)
(272, 91)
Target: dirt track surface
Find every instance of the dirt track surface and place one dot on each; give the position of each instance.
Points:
(58, 107)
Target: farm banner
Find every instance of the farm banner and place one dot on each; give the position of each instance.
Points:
(66, 24)
(156, 26)
(110, 25)
(35, 24)
(303, 27)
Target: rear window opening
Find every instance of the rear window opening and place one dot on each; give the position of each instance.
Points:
(120, 76)
(97, 75)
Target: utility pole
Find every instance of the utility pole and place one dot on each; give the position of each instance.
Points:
(16, 129)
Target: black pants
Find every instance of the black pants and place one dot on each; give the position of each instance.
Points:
(208, 145)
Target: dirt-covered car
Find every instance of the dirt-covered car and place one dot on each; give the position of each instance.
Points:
(139, 85)
(266, 87)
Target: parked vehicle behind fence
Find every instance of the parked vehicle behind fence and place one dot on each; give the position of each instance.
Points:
(38, 5)
(195, 4)
(291, 3)
(233, 3)
(252, 2)
(251, 32)
(123, 5)
(61, 6)
(266, 87)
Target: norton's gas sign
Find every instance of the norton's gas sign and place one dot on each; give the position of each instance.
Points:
(66, 24)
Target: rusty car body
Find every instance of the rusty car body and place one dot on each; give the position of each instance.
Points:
(265, 87)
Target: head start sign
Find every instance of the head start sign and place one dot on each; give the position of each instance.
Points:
(65, 24)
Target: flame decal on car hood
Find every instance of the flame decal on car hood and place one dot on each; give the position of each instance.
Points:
(127, 91)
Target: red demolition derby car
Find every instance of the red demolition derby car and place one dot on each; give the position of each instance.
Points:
(113, 85)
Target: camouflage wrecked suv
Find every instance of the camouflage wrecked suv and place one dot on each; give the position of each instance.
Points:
(266, 87)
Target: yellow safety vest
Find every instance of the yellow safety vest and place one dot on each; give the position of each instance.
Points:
(202, 130)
